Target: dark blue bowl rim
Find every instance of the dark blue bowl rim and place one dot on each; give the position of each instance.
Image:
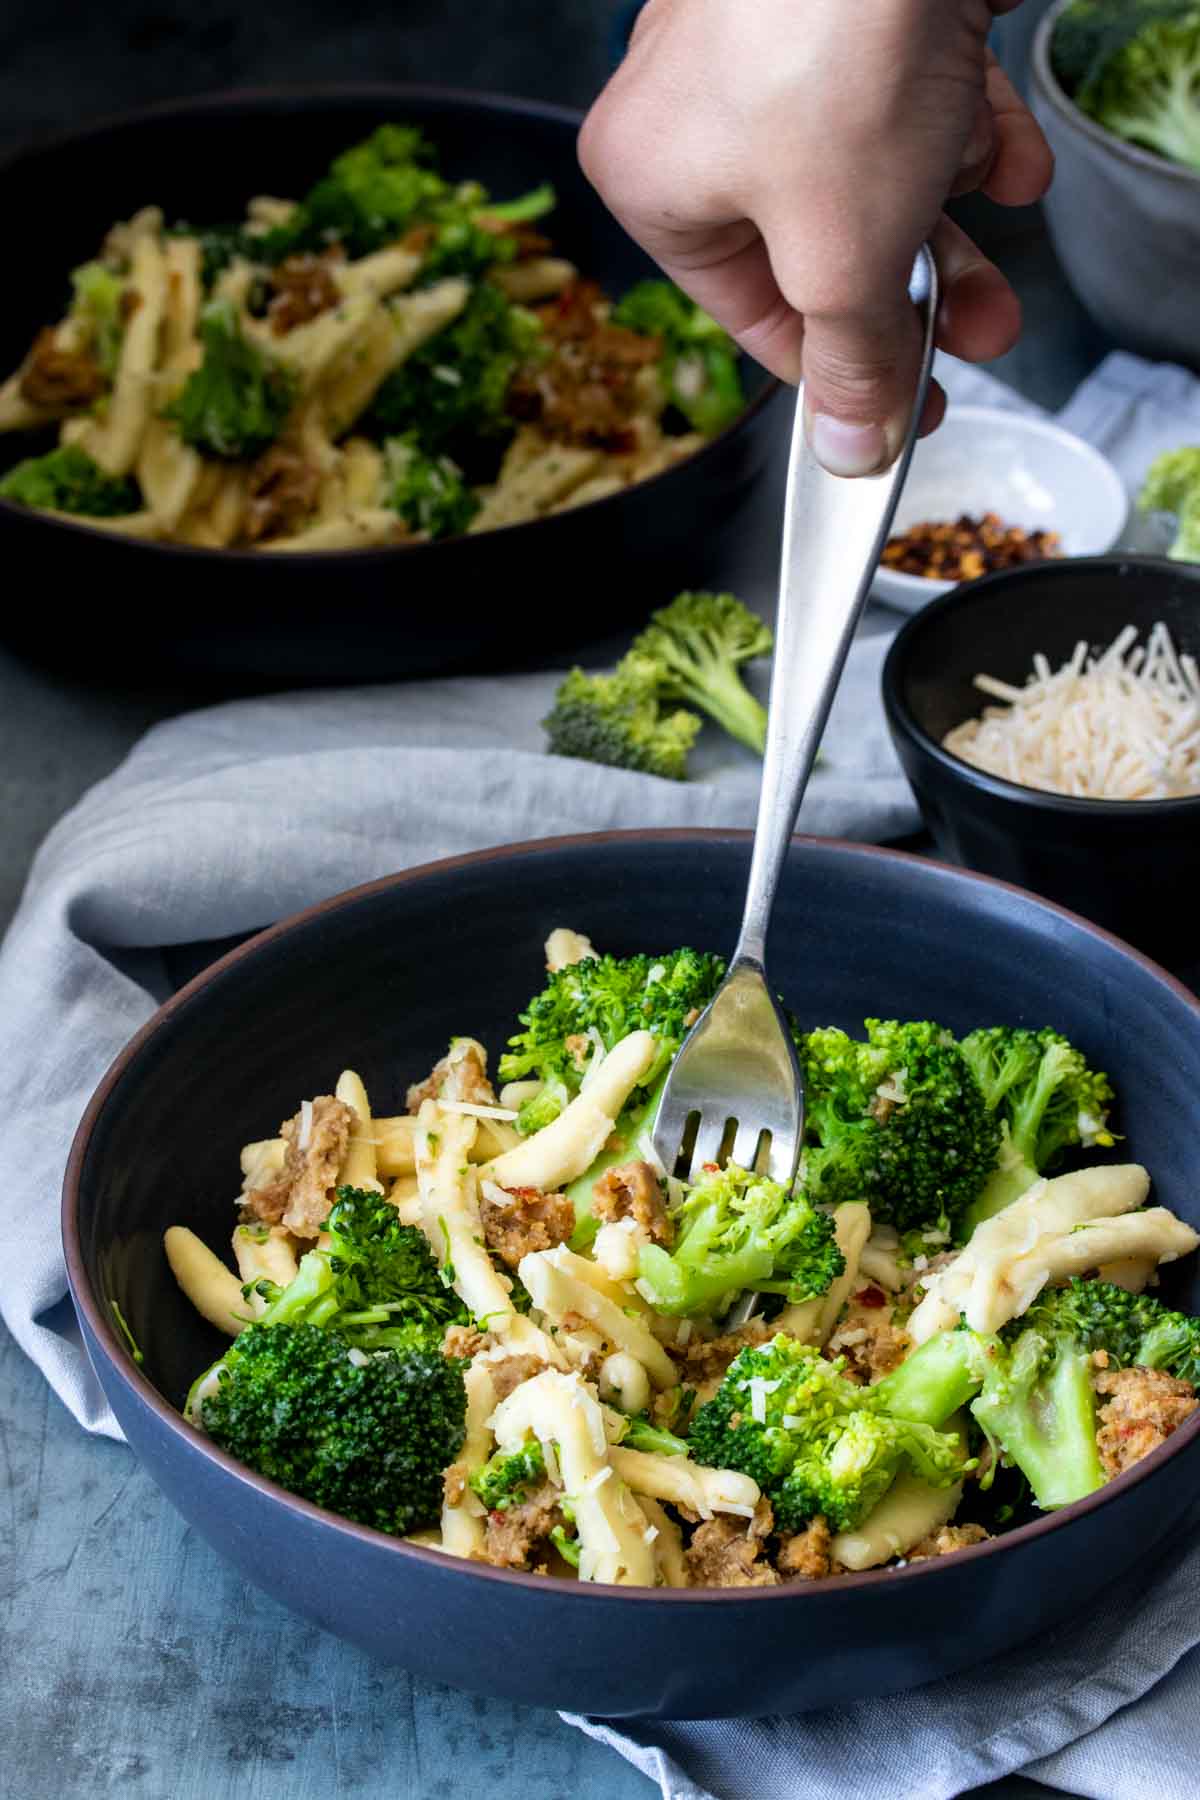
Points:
(143, 1391)
(211, 105)
(985, 588)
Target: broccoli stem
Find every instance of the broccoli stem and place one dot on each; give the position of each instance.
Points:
(1047, 1428)
(716, 686)
(936, 1379)
(1013, 1176)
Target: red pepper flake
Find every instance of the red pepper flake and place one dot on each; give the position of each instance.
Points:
(713, 1168)
(871, 1296)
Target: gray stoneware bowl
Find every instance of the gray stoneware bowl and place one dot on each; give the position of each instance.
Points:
(380, 978)
(1125, 223)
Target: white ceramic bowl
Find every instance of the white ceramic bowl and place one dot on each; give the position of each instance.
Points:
(1027, 471)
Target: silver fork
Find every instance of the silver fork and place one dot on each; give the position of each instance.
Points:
(737, 1068)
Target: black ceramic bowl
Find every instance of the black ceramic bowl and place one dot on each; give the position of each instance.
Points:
(366, 615)
(379, 979)
(1133, 866)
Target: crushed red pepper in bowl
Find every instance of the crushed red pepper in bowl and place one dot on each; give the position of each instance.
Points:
(967, 548)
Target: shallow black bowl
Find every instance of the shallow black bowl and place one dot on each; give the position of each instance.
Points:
(1133, 866)
(508, 596)
(379, 979)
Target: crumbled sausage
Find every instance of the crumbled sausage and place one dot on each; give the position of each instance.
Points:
(513, 1535)
(305, 287)
(530, 1221)
(301, 1194)
(509, 1372)
(633, 1191)
(460, 1075)
(946, 1540)
(281, 494)
(1142, 1408)
(806, 1555)
(59, 380)
(705, 1360)
(454, 1484)
(465, 1341)
(727, 1551)
(872, 1345)
(584, 391)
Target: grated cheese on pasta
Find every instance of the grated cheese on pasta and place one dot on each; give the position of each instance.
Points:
(1118, 724)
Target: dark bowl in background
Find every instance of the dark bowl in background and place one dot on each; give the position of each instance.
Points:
(505, 597)
(379, 979)
(1131, 865)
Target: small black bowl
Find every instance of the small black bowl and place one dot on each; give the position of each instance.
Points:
(1132, 866)
(506, 597)
(379, 979)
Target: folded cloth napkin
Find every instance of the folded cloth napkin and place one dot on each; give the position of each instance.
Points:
(226, 819)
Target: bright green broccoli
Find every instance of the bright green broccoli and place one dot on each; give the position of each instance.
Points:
(700, 361)
(1172, 485)
(700, 642)
(235, 404)
(96, 306)
(1135, 1329)
(608, 996)
(938, 1377)
(1037, 1406)
(373, 192)
(1047, 1101)
(814, 1441)
(655, 1440)
(468, 234)
(365, 1435)
(67, 480)
(617, 720)
(1089, 33)
(428, 492)
(1148, 91)
(455, 386)
(737, 1231)
(508, 1478)
(898, 1121)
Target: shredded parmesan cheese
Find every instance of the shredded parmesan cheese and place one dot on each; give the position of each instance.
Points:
(476, 1109)
(305, 1137)
(1117, 724)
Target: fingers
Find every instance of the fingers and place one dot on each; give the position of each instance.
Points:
(727, 271)
(979, 316)
(1022, 165)
(860, 371)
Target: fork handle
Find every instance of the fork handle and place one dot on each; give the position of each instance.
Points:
(834, 530)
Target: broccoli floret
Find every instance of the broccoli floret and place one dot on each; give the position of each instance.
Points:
(1135, 1329)
(96, 305)
(1090, 32)
(655, 1440)
(1037, 1406)
(898, 1121)
(699, 361)
(567, 1545)
(235, 404)
(455, 386)
(700, 642)
(617, 720)
(737, 1231)
(506, 1480)
(1046, 1099)
(1173, 486)
(373, 192)
(814, 1441)
(385, 1275)
(67, 480)
(609, 996)
(1148, 91)
(365, 1435)
(467, 231)
(428, 492)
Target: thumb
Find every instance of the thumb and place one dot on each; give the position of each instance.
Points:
(860, 375)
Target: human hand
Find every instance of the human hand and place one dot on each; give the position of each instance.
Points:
(784, 160)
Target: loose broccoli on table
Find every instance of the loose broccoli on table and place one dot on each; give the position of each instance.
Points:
(699, 642)
(605, 998)
(455, 387)
(700, 360)
(1172, 485)
(1148, 90)
(736, 1231)
(898, 1121)
(617, 720)
(814, 1441)
(235, 404)
(67, 480)
(1047, 1101)
(429, 492)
